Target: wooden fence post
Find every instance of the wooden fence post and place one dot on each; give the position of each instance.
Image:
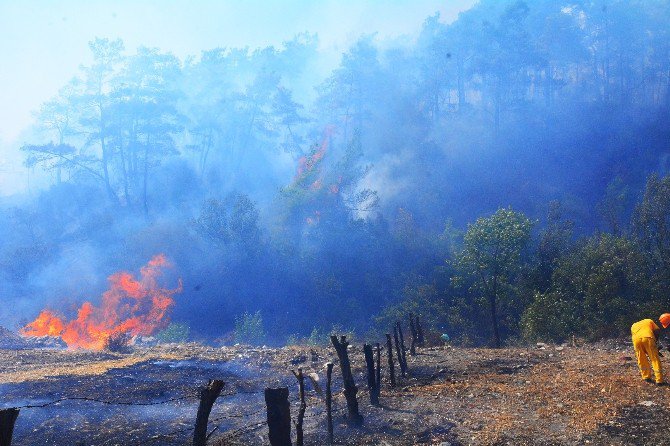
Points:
(372, 375)
(412, 329)
(208, 395)
(398, 351)
(389, 350)
(7, 420)
(403, 349)
(303, 406)
(350, 389)
(329, 401)
(279, 416)
(419, 330)
(378, 377)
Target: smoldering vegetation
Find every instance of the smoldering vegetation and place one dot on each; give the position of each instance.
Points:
(291, 203)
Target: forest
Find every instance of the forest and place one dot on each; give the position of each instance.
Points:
(505, 176)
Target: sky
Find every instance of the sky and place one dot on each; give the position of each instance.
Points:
(43, 42)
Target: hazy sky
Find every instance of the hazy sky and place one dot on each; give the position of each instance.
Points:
(42, 42)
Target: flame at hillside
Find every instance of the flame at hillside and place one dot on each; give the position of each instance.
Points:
(129, 306)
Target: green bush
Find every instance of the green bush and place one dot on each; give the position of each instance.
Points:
(175, 332)
(249, 329)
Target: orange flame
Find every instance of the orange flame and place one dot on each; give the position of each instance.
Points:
(129, 306)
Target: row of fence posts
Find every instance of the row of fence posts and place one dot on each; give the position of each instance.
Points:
(278, 408)
(276, 399)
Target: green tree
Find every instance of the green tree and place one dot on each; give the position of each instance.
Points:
(651, 221)
(597, 291)
(492, 257)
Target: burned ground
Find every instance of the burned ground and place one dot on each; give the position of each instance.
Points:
(456, 396)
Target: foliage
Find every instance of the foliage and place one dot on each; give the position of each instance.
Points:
(492, 259)
(328, 206)
(118, 343)
(174, 333)
(598, 290)
(249, 329)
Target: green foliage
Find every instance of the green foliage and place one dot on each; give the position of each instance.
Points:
(491, 261)
(174, 333)
(598, 290)
(249, 329)
(651, 221)
(316, 338)
(422, 300)
(232, 220)
(339, 330)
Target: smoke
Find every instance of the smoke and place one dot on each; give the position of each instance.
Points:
(271, 169)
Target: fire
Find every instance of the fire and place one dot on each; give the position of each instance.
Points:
(130, 306)
(308, 163)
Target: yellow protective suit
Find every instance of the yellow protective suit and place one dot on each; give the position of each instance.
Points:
(644, 341)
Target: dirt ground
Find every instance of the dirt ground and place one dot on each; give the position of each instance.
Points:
(452, 396)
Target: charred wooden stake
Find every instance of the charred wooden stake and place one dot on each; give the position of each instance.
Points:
(279, 416)
(419, 330)
(372, 374)
(403, 349)
(329, 401)
(208, 396)
(303, 406)
(412, 329)
(350, 389)
(378, 377)
(389, 349)
(7, 420)
(398, 351)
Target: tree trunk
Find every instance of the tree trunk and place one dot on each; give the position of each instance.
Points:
(350, 389)
(145, 179)
(7, 420)
(208, 396)
(279, 416)
(494, 321)
(389, 349)
(461, 83)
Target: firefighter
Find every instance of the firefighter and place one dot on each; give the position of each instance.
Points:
(645, 336)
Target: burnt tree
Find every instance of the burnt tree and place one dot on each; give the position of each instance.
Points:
(350, 389)
(7, 420)
(389, 349)
(208, 395)
(279, 416)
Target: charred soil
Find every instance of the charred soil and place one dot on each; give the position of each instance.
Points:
(453, 396)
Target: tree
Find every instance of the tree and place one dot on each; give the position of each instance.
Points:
(492, 255)
(94, 103)
(143, 119)
(651, 221)
(554, 242)
(597, 290)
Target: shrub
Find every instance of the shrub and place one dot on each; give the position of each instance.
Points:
(174, 333)
(249, 329)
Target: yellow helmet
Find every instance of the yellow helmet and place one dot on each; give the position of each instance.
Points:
(665, 320)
